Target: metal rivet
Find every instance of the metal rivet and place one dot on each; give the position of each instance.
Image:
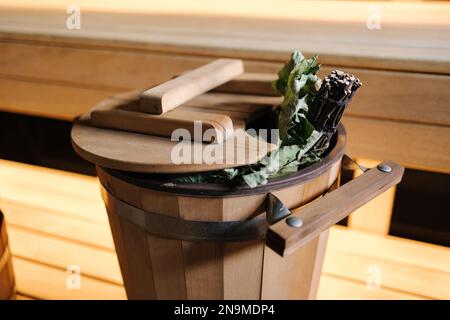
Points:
(294, 222)
(384, 168)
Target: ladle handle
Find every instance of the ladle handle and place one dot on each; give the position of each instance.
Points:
(171, 94)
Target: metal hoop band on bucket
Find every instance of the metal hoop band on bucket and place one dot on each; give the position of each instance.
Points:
(193, 230)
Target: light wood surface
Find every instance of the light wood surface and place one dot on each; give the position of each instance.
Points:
(336, 30)
(173, 93)
(409, 269)
(413, 145)
(384, 95)
(250, 83)
(376, 215)
(45, 282)
(29, 245)
(7, 280)
(69, 78)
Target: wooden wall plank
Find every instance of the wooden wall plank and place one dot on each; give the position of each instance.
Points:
(384, 95)
(76, 86)
(417, 146)
(48, 100)
(114, 70)
(402, 96)
(337, 31)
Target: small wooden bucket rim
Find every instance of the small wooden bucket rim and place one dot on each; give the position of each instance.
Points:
(156, 182)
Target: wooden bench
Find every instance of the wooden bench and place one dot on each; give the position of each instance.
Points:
(57, 220)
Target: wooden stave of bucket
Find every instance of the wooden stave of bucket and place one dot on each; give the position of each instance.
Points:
(7, 282)
(159, 268)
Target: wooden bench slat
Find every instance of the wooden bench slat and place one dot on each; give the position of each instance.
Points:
(43, 188)
(57, 225)
(44, 282)
(390, 249)
(338, 31)
(393, 275)
(22, 297)
(337, 288)
(59, 253)
(48, 241)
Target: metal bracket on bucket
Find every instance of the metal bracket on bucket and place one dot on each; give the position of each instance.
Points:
(276, 210)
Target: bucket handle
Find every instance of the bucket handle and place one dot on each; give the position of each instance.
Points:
(303, 225)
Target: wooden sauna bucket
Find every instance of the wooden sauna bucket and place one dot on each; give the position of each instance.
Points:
(7, 284)
(148, 215)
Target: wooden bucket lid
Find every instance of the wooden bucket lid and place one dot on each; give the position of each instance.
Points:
(139, 140)
(137, 152)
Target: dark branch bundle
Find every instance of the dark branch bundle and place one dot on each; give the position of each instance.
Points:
(307, 119)
(326, 110)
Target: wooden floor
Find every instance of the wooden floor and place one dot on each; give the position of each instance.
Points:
(56, 222)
